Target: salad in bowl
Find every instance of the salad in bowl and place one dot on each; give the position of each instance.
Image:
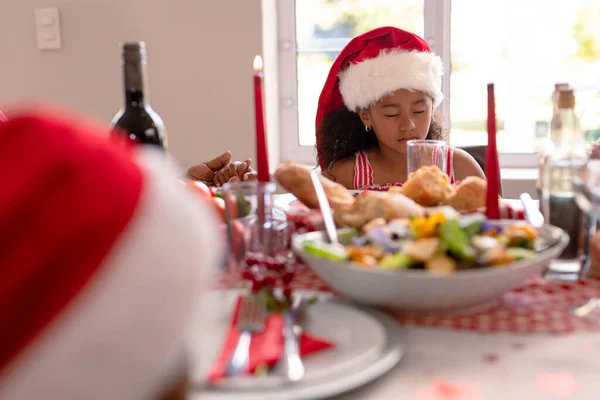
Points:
(440, 242)
(439, 262)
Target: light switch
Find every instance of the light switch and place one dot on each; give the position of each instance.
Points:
(47, 26)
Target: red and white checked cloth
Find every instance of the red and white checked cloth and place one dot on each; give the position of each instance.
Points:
(538, 305)
(305, 220)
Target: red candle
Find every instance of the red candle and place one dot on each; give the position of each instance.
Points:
(492, 169)
(262, 155)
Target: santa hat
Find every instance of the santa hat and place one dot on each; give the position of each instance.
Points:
(374, 65)
(101, 259)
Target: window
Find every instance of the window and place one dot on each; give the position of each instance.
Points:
(524, 47)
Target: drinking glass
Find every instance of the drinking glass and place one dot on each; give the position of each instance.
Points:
(255, 234)
(421, 153)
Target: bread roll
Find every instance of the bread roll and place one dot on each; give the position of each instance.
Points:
(296, 179)
(470, 194)
(428, 186)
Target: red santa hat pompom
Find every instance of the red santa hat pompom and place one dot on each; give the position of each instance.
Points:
(374, 65)
(101, 258)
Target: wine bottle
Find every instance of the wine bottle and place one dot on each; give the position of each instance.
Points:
(137, 121)
(563, 163)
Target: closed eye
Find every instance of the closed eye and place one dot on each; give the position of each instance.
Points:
(391, 115)
(419, 112)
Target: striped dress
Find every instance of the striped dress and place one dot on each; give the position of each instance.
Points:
(363, 172)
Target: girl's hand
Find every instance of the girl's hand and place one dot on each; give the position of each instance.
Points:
(245, 172)
(234, 172)
(205, 171)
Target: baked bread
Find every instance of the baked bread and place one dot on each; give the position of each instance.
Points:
(428, 186)
(296, 179)
(470, 194)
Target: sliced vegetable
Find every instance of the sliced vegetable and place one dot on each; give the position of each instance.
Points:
(395, 261)
(521, 254)
(472, 223)
(326, 250)
(455, 240)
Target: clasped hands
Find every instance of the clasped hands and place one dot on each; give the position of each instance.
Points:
(221, 170)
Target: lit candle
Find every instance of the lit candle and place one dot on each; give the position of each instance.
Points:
(492, 169)
(262, 155)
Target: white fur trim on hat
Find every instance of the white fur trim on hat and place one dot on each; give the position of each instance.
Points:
(120, 338)
(366, 82)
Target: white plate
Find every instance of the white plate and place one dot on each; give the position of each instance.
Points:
(359, 356)
(283, 202)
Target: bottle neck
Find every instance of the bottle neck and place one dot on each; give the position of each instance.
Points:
(134, 78)
(565, 133)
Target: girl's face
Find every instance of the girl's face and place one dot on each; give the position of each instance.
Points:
(398, 118)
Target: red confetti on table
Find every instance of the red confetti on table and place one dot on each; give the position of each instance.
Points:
(443, 390)
(589, 346)
(491, 358)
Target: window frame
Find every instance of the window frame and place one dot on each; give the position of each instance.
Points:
(437, 33)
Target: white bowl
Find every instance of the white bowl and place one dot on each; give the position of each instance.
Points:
(420, 291)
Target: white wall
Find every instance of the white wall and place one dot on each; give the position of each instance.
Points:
(200, 64)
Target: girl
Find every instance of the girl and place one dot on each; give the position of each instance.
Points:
(381, 92)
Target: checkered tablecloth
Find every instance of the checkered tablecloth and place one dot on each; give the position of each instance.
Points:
(538, 305)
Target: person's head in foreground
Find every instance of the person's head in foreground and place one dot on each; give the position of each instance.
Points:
(102, 258)
(381, 92)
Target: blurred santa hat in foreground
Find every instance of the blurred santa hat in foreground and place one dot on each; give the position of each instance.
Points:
(102, 258)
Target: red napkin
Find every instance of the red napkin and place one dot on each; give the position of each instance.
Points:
(492, 169)
(265, 348)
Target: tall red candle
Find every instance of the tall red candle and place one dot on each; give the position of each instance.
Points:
(262, 155)
(492, 169)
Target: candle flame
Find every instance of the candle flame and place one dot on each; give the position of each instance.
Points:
(258, 63)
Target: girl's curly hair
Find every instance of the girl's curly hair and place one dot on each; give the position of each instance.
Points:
(342, 134)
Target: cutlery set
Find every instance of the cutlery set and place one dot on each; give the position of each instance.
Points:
(251, 321)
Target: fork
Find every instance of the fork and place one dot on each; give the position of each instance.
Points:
(251, 320)
(291, 365)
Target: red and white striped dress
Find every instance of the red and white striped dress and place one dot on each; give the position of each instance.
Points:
(363, 172)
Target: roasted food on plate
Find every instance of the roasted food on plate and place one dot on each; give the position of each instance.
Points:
(427, 187)
(373, 206)
(296, 179)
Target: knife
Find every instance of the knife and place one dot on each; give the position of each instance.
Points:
(291, 364)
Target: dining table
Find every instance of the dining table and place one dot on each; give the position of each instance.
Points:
(528, 346)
